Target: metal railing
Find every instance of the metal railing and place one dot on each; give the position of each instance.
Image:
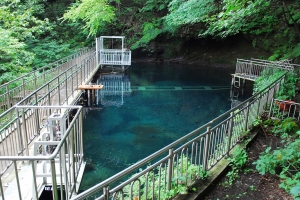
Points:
(60, 90)
(60, 167)
(107, 54)
(184, 160)
(254, 67)
(115, 57)
(14, 91)
(282, 109)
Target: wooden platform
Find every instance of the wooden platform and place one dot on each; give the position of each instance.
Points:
(90, 87)
(244, 76)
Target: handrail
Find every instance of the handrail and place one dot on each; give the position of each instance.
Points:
(14, 90)
(58, 91)
(65, 172)
(254, 67)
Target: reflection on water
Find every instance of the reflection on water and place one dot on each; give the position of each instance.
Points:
(147, 109)
(116, 86)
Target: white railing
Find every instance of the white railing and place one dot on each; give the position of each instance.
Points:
(254, 67)
(115, 57)
(184, 160)
(116, 86)
(14, 91)
(282, 109)
(60, 90)
(111, 51)
(60, 168)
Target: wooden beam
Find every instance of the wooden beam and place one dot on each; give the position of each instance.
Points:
(90, 87)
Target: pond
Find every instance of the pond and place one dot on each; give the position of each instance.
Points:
(156, 105)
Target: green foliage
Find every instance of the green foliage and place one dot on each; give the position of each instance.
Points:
(183, 172)
(286, 159)
(295, 191)
(257, 122)
(288, 89)
(189, 12)
(18, 24)
(150, 31)
(47, 51)
(155, 5)
(237, 161)
(286, 129)
(95, 14)
(267, 77)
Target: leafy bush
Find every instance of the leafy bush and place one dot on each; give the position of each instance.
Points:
(287, 158)
(183, 172)
(237, 161)
(267, 77)
(288, 88)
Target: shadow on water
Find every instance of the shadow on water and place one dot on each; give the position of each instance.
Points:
(148, 108)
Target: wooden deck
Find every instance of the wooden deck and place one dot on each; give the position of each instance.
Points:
(90, 87)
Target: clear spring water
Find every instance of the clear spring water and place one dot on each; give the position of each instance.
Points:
(179, 99)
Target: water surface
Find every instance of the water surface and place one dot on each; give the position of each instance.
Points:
(166, 102)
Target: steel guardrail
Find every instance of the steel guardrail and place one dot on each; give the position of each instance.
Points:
(254, 67)
(58, 91)
(65, 162)
(17, 89)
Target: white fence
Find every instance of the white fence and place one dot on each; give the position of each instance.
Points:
(253, 68)
(14, 91)
(60, 167)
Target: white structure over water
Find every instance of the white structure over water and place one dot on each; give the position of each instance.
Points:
(110, 50)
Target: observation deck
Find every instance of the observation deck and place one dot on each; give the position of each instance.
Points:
(110, 50)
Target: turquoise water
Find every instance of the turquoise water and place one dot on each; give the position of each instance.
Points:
(166, 102)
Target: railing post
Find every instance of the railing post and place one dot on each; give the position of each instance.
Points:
(247, 116)
(84, 70)
(72, 81)
(170, 169)
(34, 81)
(17, 178)
(58, 90)
(97, 56)
(230, 133)
(8, 97)
(19, 131)
(1, 189)
(258, 105)
(77, 76)
(81, 71)
(37, 114)
(44, 75)
(80, 120)
(271, 108)
(34, 191)
(54, 183)
(71, 156)
(49, 98)
(25, 132)
(206, 150)
(23, 87)
(66, 81)
(106, 193)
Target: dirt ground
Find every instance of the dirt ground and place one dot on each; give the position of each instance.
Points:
(250, 184)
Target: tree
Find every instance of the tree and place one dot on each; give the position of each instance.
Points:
(94, 13)
(17, 25)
